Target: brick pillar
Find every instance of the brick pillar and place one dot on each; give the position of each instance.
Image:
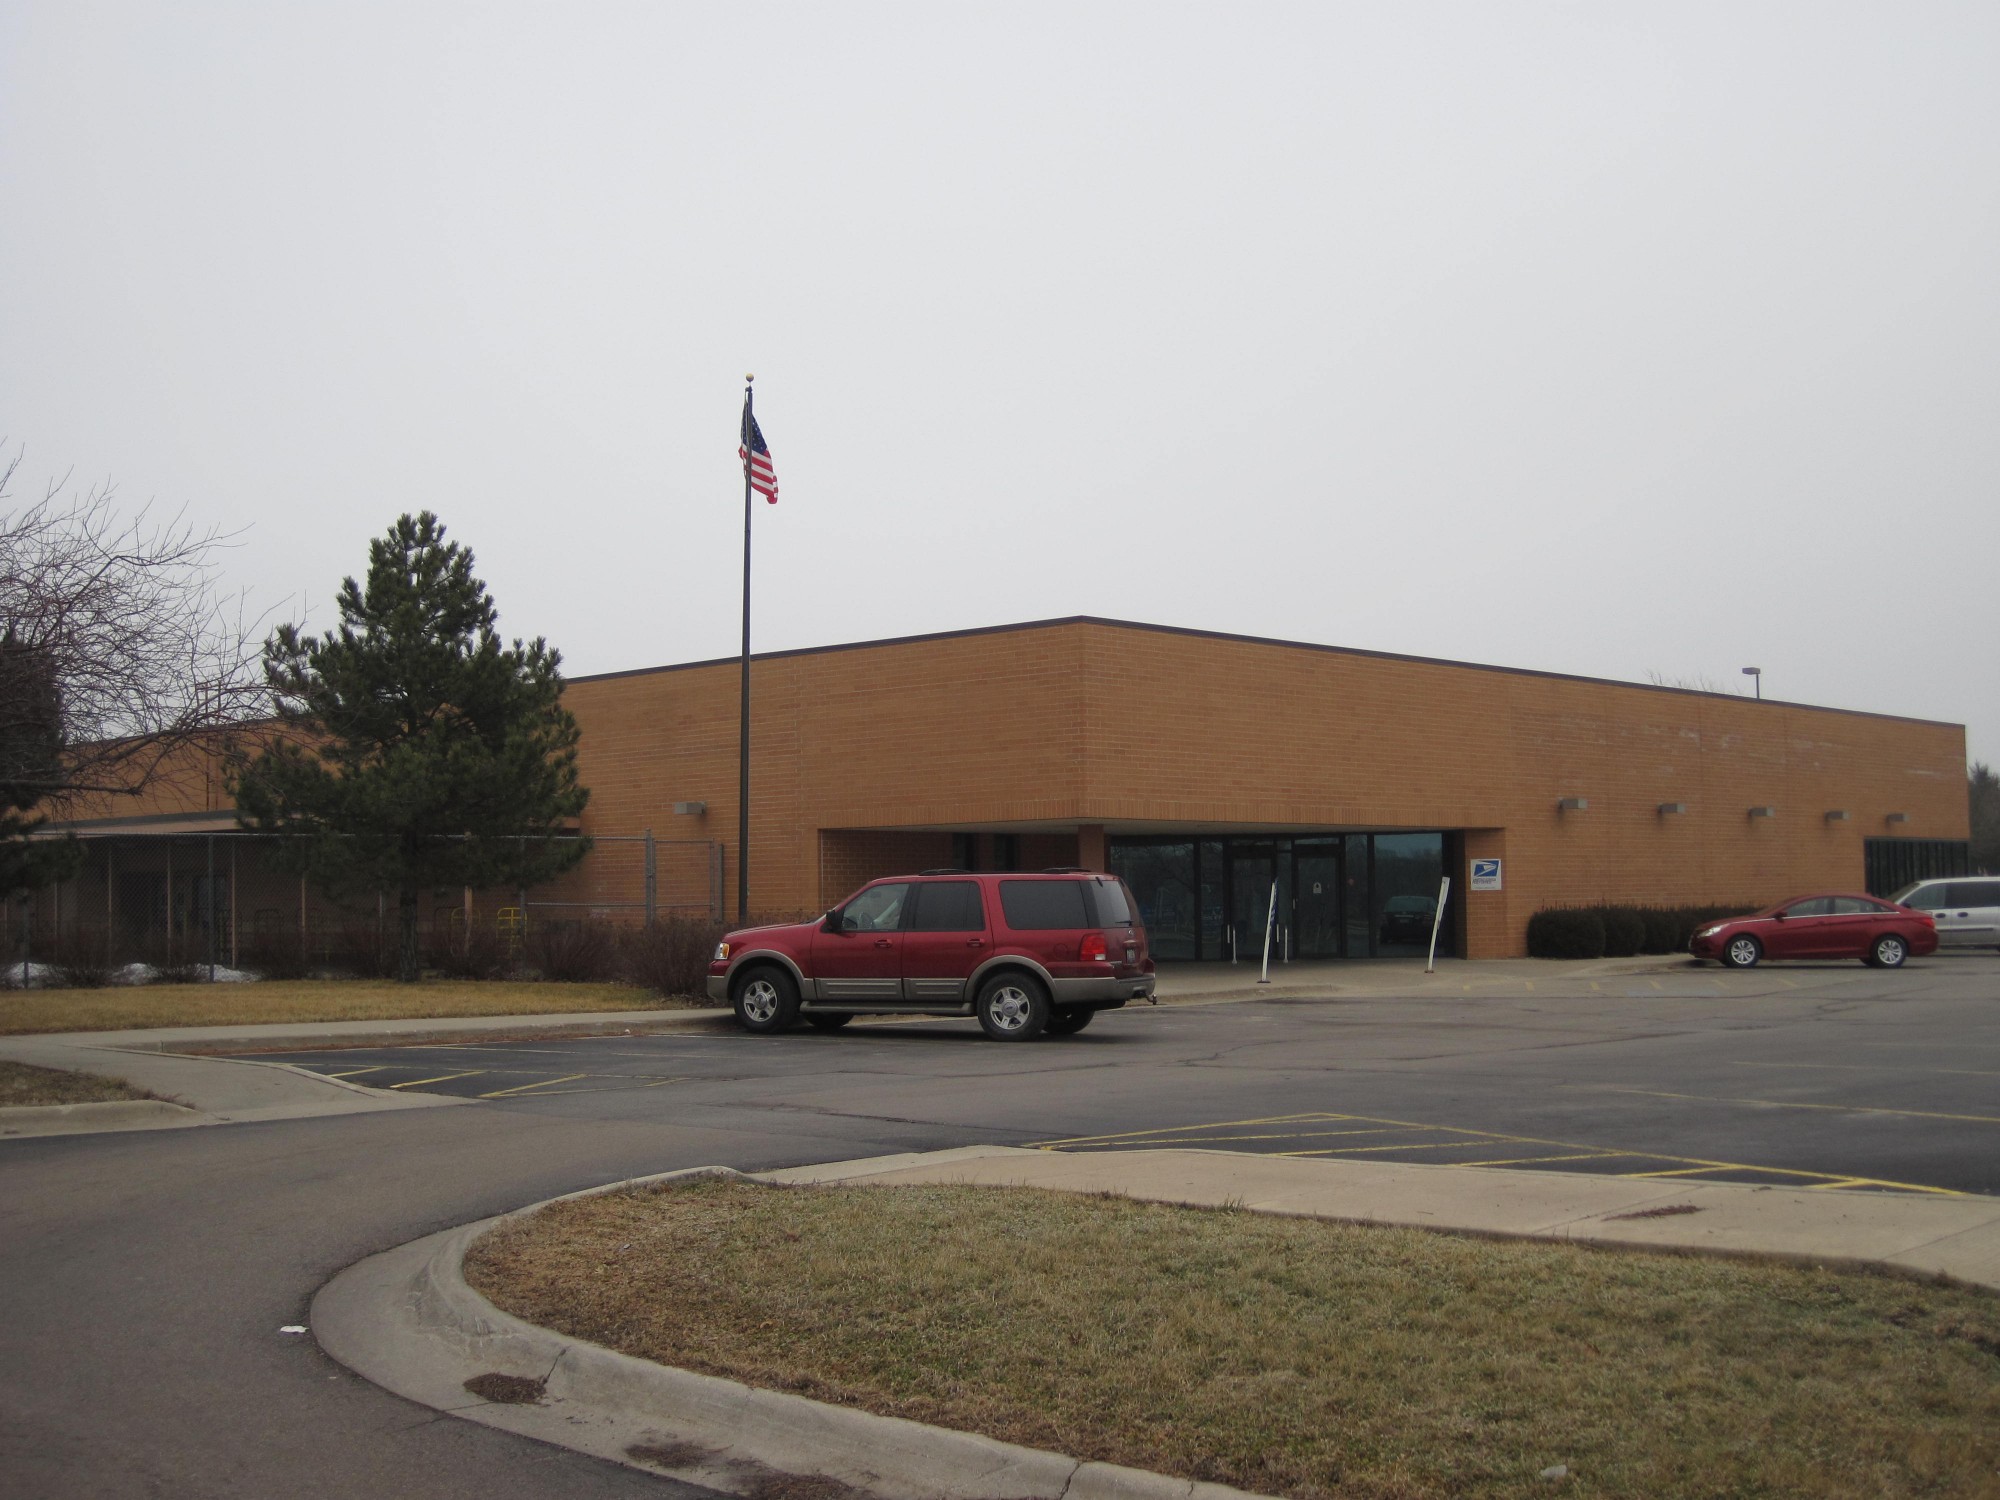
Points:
(1092, 850)
(1490, 930)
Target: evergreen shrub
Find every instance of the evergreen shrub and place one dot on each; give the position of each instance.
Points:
(1624, 930)
(1566, 932)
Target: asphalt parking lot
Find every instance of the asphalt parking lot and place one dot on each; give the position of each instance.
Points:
(1830, 1076)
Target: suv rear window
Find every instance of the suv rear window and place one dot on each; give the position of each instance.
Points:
(1112, 910)
(1043, 905)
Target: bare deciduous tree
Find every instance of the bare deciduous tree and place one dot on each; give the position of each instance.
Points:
(117, 647)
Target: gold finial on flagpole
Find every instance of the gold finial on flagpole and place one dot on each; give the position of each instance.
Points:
(749, 377)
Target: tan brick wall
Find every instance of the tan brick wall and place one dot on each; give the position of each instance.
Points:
(1086, 723)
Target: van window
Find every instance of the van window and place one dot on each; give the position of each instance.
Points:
(1927, 897)
(1043, 905)
(1112, 908)
(1975, 893)
(949, 906)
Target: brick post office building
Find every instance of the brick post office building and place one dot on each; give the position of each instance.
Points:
(1204, 768)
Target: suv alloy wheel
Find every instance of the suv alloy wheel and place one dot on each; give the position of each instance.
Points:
(1013, 1007)
(767, 1000)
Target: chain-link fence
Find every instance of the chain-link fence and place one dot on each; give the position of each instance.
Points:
(183, 902)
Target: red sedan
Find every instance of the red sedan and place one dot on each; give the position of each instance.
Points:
(1879, 933)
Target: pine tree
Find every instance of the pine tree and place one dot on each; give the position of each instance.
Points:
(420, 752)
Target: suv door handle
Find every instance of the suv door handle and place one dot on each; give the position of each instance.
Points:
(881, 942)
(975, 942)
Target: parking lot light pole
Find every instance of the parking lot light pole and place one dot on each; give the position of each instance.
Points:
(1756, 675)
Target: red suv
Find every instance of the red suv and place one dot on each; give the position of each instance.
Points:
(1024, 953)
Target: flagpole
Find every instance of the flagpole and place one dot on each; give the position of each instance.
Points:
(743, 741)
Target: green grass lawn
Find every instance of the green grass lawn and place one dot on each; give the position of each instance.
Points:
(1288, 1356)
(21, 1083)
(122, 1008)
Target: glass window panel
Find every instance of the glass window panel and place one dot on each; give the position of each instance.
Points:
(1161, 879)
(1408, 867)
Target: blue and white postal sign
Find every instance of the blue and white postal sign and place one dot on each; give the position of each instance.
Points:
(1486, 874)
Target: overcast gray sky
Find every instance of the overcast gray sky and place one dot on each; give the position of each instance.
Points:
(1615, 339)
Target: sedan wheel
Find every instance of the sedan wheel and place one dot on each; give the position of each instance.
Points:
(1889, 952)
(1013, 1008)
(1742, 952)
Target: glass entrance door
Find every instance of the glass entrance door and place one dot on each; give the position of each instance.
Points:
(1252, 869)
(1316, 884)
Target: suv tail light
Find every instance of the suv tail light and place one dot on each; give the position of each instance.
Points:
(1092, 948)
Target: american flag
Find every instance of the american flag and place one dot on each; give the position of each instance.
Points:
(757, 456)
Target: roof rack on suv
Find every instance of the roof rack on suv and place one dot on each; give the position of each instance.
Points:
(950, 871)
(1067, 870)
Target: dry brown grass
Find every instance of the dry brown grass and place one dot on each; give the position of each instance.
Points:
(22, 1083)
(1287, 1356)
(151, 1005)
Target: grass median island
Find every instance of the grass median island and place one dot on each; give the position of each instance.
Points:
(23, 1083)
(1289, 1356)
(128, 1007)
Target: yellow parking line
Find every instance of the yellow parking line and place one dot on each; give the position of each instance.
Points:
(1290, 1135)
(1349, 1150)
(542, 1084)
(357, 1072)
(1122, 1135)
(1694, 1166)
(1852, 1109)
(1518, 1161)
(1814, 1179)
(417, 1082)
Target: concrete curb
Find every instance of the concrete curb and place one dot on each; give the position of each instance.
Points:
(91, 1119)
(406, 1320)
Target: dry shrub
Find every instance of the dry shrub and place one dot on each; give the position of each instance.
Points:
(671, 956)
(479, 952)
(83, 962)
(574, 952)
(277, 955)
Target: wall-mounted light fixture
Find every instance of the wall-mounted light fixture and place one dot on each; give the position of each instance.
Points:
(1672, 808)
(1572, 804)
(1763, 812)
(690, 809)
(1837, 816)
(1897, 818)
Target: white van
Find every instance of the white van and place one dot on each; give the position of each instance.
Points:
(1966, 909)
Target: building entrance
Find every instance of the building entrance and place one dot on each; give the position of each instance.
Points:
(1342, 895)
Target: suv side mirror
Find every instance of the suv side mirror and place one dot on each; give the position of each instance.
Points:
(831, 922)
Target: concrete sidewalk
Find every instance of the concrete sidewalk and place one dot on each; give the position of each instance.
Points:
(1920, 1233)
